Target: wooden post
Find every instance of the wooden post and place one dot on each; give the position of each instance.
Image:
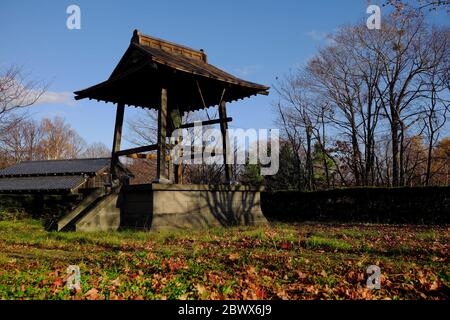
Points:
(117, 138)
(161, 172)
(175, 123)
(225, 139)
(179, 167)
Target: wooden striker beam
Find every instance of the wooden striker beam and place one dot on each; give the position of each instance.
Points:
(137, 150)
(225, 139)
(161, 172)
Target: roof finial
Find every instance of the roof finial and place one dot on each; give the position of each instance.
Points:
(205, 57)
(136, 36)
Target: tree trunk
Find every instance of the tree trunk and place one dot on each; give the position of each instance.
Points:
(309, 163)
(395, 151)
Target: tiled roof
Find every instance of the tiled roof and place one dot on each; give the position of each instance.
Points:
(45, 183)
(195, 66)
(56, 167)
(150, 63)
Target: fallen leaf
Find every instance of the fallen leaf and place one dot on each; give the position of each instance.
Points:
(234, 256)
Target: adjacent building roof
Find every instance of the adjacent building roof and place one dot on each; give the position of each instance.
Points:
(52, 175)
(56, 167)
(41, 184)
(151, 63)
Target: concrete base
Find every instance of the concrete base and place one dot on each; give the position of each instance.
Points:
(158, 207)
(171, 206)
(105, 216)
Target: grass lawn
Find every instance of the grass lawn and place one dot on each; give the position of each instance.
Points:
(306, 261)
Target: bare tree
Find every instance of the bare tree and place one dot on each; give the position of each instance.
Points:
(293, 119)
(419, 6)
(143, 130)
(17, 91)
(50, 139)
(20, 140)
(407, 57)
(60, 140)
(379, 70)
(345, 74)
(374, 90)
(97, 150)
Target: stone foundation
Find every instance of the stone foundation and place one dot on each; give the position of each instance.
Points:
(158, 207)
(171, 207)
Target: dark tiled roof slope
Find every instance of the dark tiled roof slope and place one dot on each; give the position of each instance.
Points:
(195, 66)
(49, 183)
(56, 167)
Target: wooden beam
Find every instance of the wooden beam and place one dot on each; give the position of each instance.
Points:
(225, 139)
(136, 150)
(153, 156)
(148, 156)
(206, 123)
(117, 138)
(161, 172)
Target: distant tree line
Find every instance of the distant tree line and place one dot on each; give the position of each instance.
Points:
(24, 138)
(369, 109)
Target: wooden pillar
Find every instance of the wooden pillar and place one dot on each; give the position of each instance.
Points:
(225, 139)
(117, 138)
(161, 172)
(175, 170)
(179, 167)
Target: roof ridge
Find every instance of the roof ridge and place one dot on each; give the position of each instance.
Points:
(54, 160)
(168, 46)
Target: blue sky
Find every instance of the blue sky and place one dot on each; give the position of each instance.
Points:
(255, 40)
